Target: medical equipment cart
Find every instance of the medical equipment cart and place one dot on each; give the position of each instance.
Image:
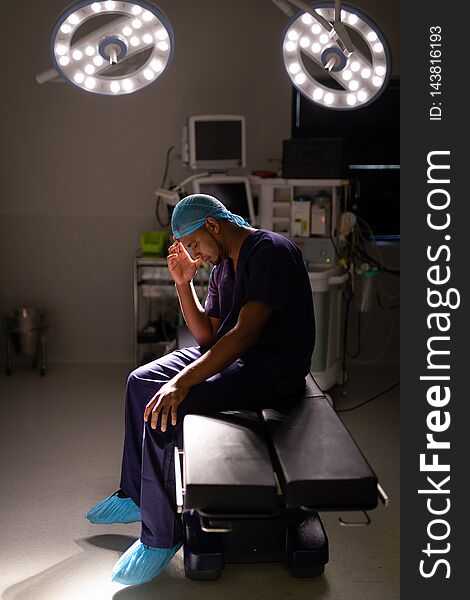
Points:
(156, 308)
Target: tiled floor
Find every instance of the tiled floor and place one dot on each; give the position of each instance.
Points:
(60, 450)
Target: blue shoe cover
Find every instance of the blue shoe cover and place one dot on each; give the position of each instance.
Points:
(114, 510)
(141, 563)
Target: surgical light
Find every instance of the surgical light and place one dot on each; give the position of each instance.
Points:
(333, 24)
(123, 62)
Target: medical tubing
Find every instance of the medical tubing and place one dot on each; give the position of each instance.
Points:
(361, 220)
(381, 304)
(358, 351)
(167, 164)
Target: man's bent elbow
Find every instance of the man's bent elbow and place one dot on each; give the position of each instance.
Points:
(205, 341)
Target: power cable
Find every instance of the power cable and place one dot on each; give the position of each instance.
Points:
(369, 399)
(158, 202)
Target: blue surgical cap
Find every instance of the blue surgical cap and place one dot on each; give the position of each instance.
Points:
(191, 213)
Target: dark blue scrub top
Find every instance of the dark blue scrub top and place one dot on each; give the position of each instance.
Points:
(270, 269)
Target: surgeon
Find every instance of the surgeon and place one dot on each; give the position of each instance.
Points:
(255, 338)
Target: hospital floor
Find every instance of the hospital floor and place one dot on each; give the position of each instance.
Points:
(60, 450)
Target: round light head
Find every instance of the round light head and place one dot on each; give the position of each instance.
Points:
(110, 45)
(355, 81)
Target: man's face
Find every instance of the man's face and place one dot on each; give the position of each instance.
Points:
(203, 244)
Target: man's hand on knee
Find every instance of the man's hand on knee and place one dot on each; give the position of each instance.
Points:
(166, 402)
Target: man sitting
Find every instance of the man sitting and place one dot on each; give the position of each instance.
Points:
(256, 334)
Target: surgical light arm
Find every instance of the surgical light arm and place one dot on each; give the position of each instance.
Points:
(337, 31)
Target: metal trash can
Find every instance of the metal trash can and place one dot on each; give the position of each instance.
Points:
(27, 329)
(25, 333)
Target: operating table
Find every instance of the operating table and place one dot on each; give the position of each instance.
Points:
(252, 483)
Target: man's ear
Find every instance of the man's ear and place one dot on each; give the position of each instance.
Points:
(212, 224)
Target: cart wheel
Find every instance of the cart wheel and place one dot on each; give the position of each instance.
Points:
(8, 371)
(43, 371)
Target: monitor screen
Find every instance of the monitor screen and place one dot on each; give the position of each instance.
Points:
(373, 131)
(216, 142)
(373, 136)
(235, 195)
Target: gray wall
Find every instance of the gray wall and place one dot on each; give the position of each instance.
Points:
(78, 171)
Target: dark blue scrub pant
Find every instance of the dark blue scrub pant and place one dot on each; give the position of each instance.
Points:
(148, 459)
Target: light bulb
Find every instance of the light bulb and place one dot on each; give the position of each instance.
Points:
(64, 61)
(352, 19)
(300, 78)
(380, 70)
(134, 41)
(147, 39)
(127, 30)
(355, 66)
(294, 68)
(149, 74)
(147, 16)
(346, 75)
(365, 73)
(378, 47)
(127, 85)
(79, 77)
(60, 49)
(317, 94)
(136, 10)
(351, 99)
(293, 35)
(316, 48)
(162, 46)
(329, 98)
(362, 96)
(109, 5)
(114, 87)
(136, 23)
(304, 41)
(353, 85)
(77, 55)
(156, 64)
(96, 7)
(306, 18)
(291, 46)
(89, 69)
(371, 36)
(73, 19)
(98, 60)
(377, 81)
(316, 29)
(66, 28)
(90, 82)
(89, 50)
(161, 34)
(324, 38)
